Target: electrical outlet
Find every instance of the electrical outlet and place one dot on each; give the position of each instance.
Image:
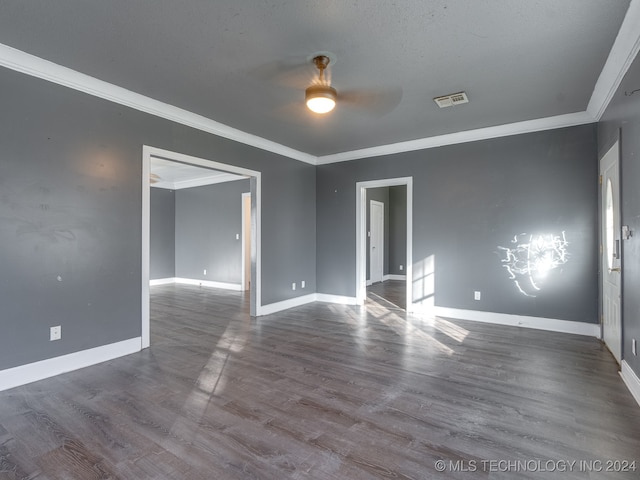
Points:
(401, 267)
(55, 333)
(477, 295)
(302, 284)
(237, 236)
(634, 349)
(293, 286)
(205, 271)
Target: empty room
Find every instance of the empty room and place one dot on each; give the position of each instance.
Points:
(319, 240)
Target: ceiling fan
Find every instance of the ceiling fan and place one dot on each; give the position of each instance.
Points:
(320, 96)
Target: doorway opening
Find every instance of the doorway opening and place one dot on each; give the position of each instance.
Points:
(362, 237)
(253, 225)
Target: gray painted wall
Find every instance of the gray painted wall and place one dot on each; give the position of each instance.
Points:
(207, 221)
(397, 229)
(70, 207)
(162, 241)
(468, 199)
(70, 216)
(622, 120)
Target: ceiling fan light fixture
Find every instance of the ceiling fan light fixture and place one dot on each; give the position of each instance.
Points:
(320, 98)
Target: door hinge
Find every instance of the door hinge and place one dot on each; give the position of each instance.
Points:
(600, 180)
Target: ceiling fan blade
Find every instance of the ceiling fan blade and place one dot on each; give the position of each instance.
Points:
(294, 72)
(371, 101)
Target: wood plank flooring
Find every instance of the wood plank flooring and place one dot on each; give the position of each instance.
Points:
(323, 392)
(391, 293)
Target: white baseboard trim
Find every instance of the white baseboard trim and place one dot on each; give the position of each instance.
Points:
(286, 304)
(32, 372)
(206, 283)
(198, 283)
(631, 380)
(162, 281)
(393, 277)
(388, 277)
(305, 299)
(338, 299)
(550, 324)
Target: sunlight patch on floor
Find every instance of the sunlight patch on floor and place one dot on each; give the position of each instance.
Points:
(452, 330)
(212, 380)
(414, 336)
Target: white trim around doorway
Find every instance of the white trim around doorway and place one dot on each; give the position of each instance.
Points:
(147, 153)
(361, 235)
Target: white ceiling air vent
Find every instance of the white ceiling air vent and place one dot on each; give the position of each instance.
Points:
(451, 99)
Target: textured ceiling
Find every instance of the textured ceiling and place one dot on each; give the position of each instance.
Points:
(244, 63)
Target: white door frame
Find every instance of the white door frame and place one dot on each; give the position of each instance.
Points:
(256, 214)
(244, 241)
(381, 241)
(611, 336)
(361, 235)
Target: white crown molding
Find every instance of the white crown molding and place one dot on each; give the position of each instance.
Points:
(197, 182)
(624, 51)
(622, 54)
(210, 180)
(38, 67)
(528, 126)
(164, 185)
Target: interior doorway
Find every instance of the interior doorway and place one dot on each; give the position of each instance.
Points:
(611, 259)
(361, 236)
(254, 221)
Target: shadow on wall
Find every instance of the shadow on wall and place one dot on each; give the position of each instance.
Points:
(424, 284)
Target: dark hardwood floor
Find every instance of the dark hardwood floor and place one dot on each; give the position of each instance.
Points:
(324, 392)
(391, 293)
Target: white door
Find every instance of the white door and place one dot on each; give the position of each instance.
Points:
(246, 241)
(376, 242)
(611, 253)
